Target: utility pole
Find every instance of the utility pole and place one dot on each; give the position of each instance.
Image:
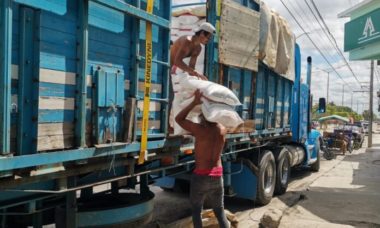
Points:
(370, 106)
(343, 96)
(357, 106)
(352, 95)
(328, 84)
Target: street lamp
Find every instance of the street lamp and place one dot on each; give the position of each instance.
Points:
(343, 96)
(328, 82)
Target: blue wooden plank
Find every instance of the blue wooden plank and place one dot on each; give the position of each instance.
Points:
(65, 24)
(55, 116)
(48, 89)
(105, 18)
(106, 60)
(65, 50)
(57, 62)
(107, 48)
(53, 36)
(118, 39)
(55, 6)
(59, 116)
(142, 14)
(56, 90)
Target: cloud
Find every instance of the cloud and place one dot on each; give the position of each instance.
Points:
(329, 10)
(329, 14)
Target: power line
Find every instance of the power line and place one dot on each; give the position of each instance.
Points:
(321, 26)
(324, 57)
(336, 45)
(321, 39)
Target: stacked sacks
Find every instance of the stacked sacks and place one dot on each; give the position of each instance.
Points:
(218, 103)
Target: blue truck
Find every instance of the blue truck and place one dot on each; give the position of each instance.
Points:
(72, 102)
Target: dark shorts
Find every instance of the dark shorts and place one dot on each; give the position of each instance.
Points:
(206, 186)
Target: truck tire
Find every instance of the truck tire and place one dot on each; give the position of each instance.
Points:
(282, 171)
(266, 178)
(316, 165)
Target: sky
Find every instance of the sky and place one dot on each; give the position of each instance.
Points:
(361, 69)
(328, 9)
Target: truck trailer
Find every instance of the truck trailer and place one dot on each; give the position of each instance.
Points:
(74, 78)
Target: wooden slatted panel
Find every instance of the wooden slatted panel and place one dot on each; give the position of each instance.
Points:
(239, 36)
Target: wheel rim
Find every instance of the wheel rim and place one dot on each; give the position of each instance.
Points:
(268, 178)
(285, 171)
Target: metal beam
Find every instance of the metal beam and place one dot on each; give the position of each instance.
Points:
(134, 11)
(370, 106)
(17, 162)
(5, 75)
(82, 54)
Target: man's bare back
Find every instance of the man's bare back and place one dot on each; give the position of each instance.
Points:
(209, 143)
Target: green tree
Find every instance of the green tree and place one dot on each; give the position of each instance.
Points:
(332, 109)
(366, 115)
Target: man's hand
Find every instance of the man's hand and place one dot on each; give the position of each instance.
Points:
(202, 77)
(197, 97)
(198, 75)
(193, 73)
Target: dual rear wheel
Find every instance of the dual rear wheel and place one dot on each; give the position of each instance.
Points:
(273, 176)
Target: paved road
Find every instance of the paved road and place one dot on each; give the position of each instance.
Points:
(341, 185)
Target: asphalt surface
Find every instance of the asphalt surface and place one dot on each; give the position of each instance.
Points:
(344, 193)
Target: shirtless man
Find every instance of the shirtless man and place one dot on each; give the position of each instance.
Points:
(190, 46)
(207, 177)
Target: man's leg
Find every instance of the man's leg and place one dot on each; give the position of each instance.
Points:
(218, 203)
(197, 197)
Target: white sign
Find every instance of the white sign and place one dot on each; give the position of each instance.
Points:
(369, 32)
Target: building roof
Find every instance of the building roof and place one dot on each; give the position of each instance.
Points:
(334, 117)
(348, 12)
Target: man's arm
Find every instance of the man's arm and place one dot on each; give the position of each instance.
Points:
(194, 56)
(178, 61)
(193, 61)
(188, 125)
(182, 54)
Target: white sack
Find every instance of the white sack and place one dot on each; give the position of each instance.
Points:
(188, 19)
(221, 113)
(184, 87)
(211, 90)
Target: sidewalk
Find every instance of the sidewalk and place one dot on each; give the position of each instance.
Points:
(346, 196)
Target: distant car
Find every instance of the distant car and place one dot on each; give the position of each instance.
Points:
(365, 126)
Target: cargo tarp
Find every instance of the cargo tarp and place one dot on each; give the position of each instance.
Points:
(277, 43)
(239, 36)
